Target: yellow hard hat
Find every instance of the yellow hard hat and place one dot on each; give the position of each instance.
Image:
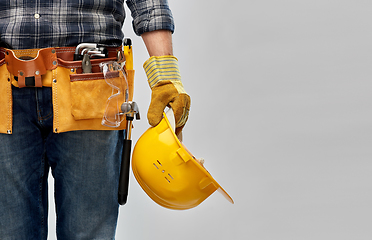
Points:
(169, 174)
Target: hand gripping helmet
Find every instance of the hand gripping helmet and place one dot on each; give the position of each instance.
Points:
(169, 174)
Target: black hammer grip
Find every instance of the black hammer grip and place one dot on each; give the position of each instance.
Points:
(124, 172)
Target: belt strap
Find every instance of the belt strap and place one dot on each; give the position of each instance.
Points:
(67, 53)
(28, 65)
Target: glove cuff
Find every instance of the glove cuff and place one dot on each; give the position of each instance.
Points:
(163, 68)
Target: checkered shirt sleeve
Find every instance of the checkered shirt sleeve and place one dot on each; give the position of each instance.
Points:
(150, 15)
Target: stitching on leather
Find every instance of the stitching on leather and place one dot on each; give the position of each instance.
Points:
(55, 100)
(10, 103)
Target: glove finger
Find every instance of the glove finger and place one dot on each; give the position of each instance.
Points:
(181, 107)
(155, 111)
(161, 95)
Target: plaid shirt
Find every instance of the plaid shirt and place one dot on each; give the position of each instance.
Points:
(56, 23)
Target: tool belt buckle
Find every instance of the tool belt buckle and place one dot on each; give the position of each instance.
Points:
(28, 70)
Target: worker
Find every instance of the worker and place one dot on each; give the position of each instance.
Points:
(84, 160)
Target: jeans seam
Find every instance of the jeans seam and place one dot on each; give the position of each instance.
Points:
(41, 118)
(41, 206)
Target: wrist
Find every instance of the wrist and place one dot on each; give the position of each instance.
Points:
(163, 68)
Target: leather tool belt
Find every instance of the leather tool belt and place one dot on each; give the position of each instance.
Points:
(79, 99)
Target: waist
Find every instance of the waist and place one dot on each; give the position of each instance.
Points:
(63, 53)
(29, 67)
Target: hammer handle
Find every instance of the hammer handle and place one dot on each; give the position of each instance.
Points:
(124, 172)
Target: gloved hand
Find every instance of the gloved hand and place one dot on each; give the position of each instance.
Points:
(167, 90)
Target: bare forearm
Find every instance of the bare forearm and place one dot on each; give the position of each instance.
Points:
(158, 43)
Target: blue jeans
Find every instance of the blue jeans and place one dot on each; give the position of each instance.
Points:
(85, 166)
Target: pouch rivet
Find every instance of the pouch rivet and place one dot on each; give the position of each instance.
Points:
(72, 70)
(21, 73)
(54, 62)
(54, 80)
(55, 130)
(9, 132)
(53, 51)
(37, 73)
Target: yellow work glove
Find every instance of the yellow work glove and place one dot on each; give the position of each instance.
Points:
(167, 90)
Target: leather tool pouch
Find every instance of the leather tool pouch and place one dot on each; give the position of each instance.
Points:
(29, 69)
(6, 100)
(79, 99)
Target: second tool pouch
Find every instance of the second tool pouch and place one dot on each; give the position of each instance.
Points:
(80, 100)
(88, 95)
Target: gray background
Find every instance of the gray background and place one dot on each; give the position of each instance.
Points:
(281, 113)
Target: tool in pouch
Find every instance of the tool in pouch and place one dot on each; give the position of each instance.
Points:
(118, 108)
(86, 51)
